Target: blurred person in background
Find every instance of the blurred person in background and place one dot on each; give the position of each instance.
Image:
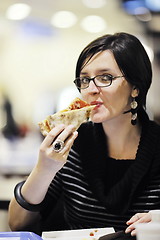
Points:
(108, 171)
(11, 129)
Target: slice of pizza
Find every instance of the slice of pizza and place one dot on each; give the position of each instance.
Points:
(76, 113)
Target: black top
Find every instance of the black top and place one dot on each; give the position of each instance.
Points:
(116, 171)
(98, 194)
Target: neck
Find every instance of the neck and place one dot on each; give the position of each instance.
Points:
(122, 137)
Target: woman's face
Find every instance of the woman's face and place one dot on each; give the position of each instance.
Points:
(111, 101)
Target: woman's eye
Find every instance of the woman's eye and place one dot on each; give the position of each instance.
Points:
(85, 80)
(107, 77)
(104, 78)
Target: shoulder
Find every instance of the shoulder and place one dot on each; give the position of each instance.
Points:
(151, 133)
(154, 146)
(154, 128)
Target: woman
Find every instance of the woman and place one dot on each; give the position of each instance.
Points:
(110, 173)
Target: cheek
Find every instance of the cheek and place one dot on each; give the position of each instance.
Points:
(123, 90)
(118, 97)
(84, 95)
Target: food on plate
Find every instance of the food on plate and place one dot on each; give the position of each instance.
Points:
(93, 233)
(76, 113)
(77, 234)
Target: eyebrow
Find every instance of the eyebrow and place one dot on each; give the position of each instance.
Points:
(100, 71)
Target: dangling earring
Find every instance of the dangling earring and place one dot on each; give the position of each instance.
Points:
(134, 106)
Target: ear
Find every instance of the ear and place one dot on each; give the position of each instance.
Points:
(135, 92)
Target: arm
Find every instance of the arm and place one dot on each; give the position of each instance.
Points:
(36, 186)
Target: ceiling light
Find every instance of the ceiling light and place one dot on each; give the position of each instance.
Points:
(94, 4)
(143, 14)
(93, 24)
(18, 11)
(63, 19)
(131, 5)
(153, 5)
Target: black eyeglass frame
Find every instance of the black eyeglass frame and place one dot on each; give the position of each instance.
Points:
(93, 79)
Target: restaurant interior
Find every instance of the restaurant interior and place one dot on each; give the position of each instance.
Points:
(40, 42)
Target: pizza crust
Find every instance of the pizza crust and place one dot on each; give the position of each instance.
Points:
(75, 117)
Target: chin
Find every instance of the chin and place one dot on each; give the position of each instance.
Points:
(98, 119)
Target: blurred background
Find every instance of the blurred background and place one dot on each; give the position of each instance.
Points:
(40, 42)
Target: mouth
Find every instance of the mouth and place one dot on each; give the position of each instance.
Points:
(97, 103)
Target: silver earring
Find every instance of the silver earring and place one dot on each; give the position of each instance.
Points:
(134, 106)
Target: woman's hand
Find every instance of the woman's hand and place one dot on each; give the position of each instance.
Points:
(137, 218)
(49, 158)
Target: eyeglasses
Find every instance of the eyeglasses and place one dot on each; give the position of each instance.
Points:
(99, 81)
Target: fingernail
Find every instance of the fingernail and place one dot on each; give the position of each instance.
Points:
(133, 233)
(128, 230)
(75, 134)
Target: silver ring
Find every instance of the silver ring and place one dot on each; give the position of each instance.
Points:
(58, 145)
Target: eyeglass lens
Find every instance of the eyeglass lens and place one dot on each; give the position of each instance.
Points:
(100, 81)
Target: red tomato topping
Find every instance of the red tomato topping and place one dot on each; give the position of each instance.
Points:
(91, 234)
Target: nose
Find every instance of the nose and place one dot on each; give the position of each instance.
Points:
(92, 88)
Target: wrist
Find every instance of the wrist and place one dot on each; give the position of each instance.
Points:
(22, 202)
(49, 168)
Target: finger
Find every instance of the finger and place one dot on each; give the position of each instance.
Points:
(133, 218)
(63, 154)
(133, 233)
(52, 135)
(143, 217)
(59, 132)
(130, 228)
(60, 142)
(138, 218)
(131, 222)
(64, 135)
(69, 143)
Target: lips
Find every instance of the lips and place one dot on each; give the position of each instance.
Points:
(97, 103)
